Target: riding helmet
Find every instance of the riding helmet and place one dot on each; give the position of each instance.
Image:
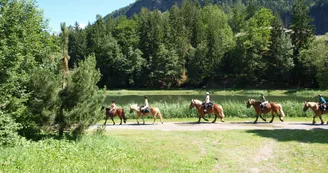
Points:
(207, 93)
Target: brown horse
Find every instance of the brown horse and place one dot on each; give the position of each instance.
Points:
(272, 107)
(316, 109)
(217, 110)
(118, 112)
(154, 111)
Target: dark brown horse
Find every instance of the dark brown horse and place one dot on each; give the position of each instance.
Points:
(272, 107)
(217, 110)
(117, 112)
(316, 109)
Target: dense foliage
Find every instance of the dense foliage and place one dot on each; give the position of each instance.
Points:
(31, 94)
(200, 44)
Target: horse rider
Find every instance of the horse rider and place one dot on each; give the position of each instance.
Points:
(113, 107)
(263, 102)
(146, 106)
(323, 102)
(207, 101)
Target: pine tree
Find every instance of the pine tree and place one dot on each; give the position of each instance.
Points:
(301, 37)
(301, 25)
(80, 99)
(280, 56)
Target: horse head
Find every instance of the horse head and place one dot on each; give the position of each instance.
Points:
(192, 104)
(250, 102)
(306, 106)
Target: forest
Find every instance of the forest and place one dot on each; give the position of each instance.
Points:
(195, 45)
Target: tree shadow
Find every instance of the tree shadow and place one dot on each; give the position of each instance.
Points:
(316, 135)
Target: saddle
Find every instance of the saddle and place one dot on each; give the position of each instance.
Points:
(147, 110)
(210, 105)
(323, 107)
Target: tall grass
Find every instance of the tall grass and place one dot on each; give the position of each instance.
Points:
(231, 109)
(294, 92)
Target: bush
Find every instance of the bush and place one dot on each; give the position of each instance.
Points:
(8, 130)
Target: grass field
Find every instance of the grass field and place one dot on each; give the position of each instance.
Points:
(175, 151)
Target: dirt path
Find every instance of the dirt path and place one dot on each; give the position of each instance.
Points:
(191, 126)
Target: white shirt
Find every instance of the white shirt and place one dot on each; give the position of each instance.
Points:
(207, 99)
(146, 103)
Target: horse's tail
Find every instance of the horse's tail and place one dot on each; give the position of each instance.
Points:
(221, 113)
(281, 111)
(123, 115)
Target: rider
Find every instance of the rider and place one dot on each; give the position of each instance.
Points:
(113, 107)
(263, 102)
(146, 105)
(323, 102)
(207, 101)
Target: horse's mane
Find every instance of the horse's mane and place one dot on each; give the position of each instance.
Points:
(311, 103)
(255, 101)
(197, 101)
(134, 106)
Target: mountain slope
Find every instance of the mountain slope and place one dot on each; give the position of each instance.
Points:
(318, 9)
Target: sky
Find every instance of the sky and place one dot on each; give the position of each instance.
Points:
(82, 11)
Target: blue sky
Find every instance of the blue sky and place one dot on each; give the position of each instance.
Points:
(82, 11)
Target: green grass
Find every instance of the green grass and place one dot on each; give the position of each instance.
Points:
(295, 92)
(175, 151)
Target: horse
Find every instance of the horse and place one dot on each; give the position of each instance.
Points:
(272, 107)
(118, 112)
(316, 109)
(154, 111)
(216, 109)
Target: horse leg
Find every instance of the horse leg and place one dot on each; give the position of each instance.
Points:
(272, 114)
(121, 120)
(313, 121)
(262, 118)
(112, 120)
(257, 117)
(160, 116)
(215, 117)
(143, 120)
(320, 116)
(137, 119)
(154, 116)
(199, 119)
(106, 120)
(205, 118)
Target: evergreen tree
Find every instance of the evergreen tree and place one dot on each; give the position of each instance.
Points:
(280, 55)
(80, 100)
(77, 45)
(301, 25)
(301, 37)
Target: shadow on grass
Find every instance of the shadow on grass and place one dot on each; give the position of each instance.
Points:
(134, 124)
(316, 135)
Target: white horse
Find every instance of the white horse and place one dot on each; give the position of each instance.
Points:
(154, 111)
